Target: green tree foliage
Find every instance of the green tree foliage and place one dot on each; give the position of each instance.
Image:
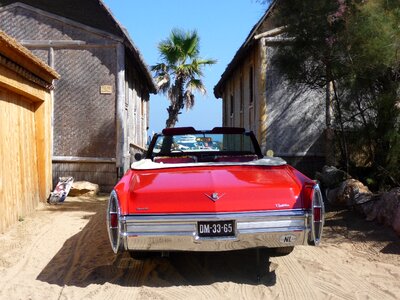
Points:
(355, 45)
(179, 74)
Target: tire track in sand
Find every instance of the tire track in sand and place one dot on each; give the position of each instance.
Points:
(338, 273)
(293, 281)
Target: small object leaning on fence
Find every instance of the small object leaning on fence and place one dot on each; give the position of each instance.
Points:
(61, 190)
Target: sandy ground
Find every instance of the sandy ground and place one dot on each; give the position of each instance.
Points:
(62, 252)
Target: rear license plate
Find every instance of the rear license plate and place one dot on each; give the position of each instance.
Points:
(216, 228)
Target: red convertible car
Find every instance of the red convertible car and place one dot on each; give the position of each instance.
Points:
(212, 191)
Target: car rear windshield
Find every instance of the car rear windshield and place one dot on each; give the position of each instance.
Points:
(204, 142)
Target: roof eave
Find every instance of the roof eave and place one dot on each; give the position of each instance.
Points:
(136, 53)
(241, 53)
(11, 48)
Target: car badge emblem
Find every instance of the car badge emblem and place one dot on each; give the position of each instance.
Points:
(279, 205)
(214, 196)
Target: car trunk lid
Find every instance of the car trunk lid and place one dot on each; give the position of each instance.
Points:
(214, 189)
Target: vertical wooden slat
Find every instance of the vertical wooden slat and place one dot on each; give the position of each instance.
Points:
(43, 112)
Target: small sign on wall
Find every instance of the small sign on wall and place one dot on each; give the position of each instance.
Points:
(106, 89)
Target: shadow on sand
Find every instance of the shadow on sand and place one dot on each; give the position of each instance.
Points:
(86, 258)
(345, 224)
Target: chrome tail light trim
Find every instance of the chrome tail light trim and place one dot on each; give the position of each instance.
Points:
(114, 224)
(317, 216)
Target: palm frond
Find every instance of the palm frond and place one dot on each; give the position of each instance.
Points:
(160, 68)
(191, 44)
(205, 62)
(196, 85)
(161, 76)
(163, 82)
(188, 71)
(169, 52)
(189, 99)
(180, 71)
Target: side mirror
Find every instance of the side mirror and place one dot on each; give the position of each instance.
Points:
(138, 156)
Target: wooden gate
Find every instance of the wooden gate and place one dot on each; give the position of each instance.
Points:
(25, 131)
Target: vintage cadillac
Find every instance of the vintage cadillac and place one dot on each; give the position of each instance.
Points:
(212, 190)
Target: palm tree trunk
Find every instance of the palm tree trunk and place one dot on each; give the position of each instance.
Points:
(176, 103)
(173, 112)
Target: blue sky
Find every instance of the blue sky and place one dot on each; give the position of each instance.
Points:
(223, 25)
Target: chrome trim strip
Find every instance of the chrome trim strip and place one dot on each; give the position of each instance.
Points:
(158, 233)
(191, 233)
(190, 227)
(282, 229)
(271, 224)
(156, 227)
(253, 215)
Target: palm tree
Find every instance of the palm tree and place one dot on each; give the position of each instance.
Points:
(179, 74)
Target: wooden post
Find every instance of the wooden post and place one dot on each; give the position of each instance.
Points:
(121, 140)
(43, 145)
(51, 64)
(261, 113)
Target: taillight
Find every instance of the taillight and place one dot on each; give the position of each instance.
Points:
(317, 215)
(113, 220)
(308, 192)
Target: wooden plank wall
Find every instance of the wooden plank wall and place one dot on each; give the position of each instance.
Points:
(19, 189)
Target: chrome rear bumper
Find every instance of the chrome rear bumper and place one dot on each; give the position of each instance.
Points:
(178, 232)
